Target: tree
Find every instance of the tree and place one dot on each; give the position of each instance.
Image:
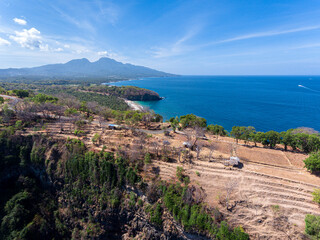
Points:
(287, 139)
(211, 151)
(236, 132)
(312, 163)
(180, 173)
(230, 187)
(147, 158)
(191, 120)
(199, 148)
(6, 113)
(43, 98)
(273, 138)
(216, 130)
(21, 93)
(146, 118)
(174, 123)
(1, 100)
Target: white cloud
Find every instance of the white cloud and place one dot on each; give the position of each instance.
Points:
(102, 53)
(20, 21)
(266, 34)
(58, 49)
(29, 39)
(4, 42)
(66, 46)
(82, 50)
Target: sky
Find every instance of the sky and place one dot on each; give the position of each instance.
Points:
(191, 37)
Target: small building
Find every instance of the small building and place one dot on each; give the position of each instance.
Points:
(233, 161)
(114, 127)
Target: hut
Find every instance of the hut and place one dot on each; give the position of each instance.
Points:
(114, 127)
(233, 161)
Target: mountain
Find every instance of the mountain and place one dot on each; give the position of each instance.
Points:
(83, 68)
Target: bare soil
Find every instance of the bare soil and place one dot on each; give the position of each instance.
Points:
(272, 190)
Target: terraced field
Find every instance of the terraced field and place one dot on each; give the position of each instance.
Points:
(267, 206)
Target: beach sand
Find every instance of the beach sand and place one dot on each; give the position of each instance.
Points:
(134, 106)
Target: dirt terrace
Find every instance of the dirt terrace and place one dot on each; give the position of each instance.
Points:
(271, 193)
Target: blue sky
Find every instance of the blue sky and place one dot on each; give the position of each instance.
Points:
(207, 37)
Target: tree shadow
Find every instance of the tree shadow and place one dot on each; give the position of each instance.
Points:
(240, 165)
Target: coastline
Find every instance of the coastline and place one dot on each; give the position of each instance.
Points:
(134, 106)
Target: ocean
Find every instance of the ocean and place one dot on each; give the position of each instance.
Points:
(265, 102)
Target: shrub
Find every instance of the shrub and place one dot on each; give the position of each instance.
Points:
(156, 215)
(313, 226)
(312, 163)
(96, 138)
(78, 132)
(180, 173)
(147, 158)
(316, 196)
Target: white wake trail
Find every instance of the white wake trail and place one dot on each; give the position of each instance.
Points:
(308, 88)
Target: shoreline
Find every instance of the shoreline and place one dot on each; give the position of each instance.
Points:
(134, 106)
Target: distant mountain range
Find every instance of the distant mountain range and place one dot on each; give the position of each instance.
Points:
(83, 68)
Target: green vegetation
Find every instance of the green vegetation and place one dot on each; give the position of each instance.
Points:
(21, 93)
(312, 163)
(191, 120)
(89, 184)
(316, 196)
(147, 158)
(180, 173)
(43, 98)
(275, 208)
(127, 92)
(216, 130)
(193, 215)
(313, 226)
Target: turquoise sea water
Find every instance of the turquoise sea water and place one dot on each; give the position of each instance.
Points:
(265, 102)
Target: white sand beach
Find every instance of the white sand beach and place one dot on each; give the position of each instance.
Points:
(134, 106)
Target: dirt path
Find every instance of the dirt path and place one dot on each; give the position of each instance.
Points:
(13, 100)
(267, 206)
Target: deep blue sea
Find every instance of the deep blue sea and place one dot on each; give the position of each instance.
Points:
(265, 102)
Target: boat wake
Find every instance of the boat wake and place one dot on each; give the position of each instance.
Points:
(308, 88)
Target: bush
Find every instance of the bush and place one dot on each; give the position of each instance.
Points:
(96, 138)
(312, 163)
(147, 158)
(156, 215)
(313, 226)
(316, 196)
(180, 173)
